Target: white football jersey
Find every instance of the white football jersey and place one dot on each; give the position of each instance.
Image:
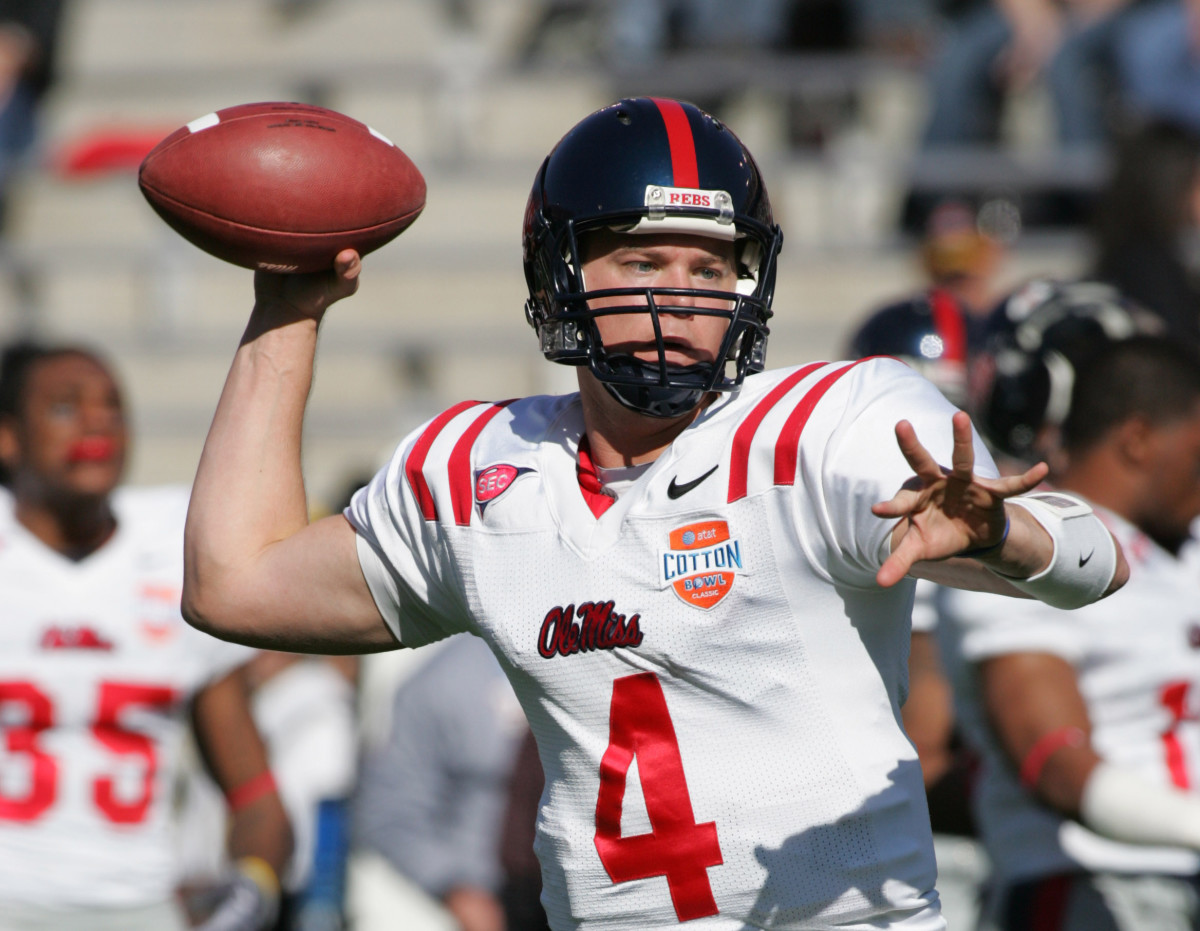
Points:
(712, 674)
(1137, 660)
(97, 667)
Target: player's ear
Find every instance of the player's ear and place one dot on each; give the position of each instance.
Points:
(1134, 439)
(10, 446)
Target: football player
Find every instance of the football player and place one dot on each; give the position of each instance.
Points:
(98, 674)
(696, 573)
(1088, 722)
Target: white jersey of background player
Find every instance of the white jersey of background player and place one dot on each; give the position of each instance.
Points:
(96, 671)
(100, 676)
(1137, 660)
(713, 662)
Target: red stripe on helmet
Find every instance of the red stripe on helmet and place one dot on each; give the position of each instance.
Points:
(415, 464)
(787, 448)
(462, 489)
(739, 464)
(950, 325)
(681, 141)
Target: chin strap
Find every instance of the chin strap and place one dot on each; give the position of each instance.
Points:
(650, 397)
(656, 401)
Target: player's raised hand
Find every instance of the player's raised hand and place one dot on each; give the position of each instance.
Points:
(308, 295)
(946, 512)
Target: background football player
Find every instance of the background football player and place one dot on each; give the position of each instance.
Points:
(1087, 721)
(98, 674)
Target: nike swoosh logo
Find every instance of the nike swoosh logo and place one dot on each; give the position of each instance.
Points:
(1083, 560)
(675, 490)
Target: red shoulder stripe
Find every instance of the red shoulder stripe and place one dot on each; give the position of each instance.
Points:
(739, 464)
(462, 489)
(787, 447)
(681, 141)
(414, 466)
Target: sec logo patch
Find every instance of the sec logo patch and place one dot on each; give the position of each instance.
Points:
(492, 482)
(701, 563)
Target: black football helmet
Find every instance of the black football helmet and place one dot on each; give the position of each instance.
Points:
(928, 331)
(648, 165)
(1033, 342)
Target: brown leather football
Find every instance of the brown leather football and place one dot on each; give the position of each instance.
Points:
(282, 186)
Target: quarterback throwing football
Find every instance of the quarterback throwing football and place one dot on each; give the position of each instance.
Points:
(696, 573)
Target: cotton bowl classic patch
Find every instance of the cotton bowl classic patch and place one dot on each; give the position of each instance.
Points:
(701, 563)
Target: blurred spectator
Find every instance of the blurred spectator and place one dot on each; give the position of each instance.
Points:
(29, 34)
(962, 252)
(98, 673)
(1147, 225)
(992, 49)
(643, 31)
(1158, 60)
(1087, 720)
(431, 801)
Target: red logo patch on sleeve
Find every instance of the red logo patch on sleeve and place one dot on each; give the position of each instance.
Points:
(495, 480)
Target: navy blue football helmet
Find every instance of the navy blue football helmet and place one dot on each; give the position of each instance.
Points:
(1033, 343)
(649, 165)
(928, 331)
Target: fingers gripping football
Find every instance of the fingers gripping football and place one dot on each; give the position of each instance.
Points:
(309, 295)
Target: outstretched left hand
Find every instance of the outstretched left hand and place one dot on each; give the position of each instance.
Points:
(943, 513)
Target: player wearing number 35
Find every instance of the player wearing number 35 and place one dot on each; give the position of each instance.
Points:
(98, 674)
(696, 573)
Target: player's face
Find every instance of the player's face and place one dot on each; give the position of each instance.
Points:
(1174, 479)
(615, 260)
(70, 438)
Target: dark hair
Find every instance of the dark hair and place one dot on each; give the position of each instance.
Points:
(1149, 377)
(16, 362)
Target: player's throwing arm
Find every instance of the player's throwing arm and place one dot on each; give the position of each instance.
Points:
(297, 193)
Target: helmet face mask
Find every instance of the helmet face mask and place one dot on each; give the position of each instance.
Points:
(647, 166)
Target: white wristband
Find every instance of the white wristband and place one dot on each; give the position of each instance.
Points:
(1124, 806)
(1085, 554)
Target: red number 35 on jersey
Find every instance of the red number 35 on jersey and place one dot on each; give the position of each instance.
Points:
(27, 703)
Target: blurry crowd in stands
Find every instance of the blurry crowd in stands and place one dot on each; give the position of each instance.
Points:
(1112, 72)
